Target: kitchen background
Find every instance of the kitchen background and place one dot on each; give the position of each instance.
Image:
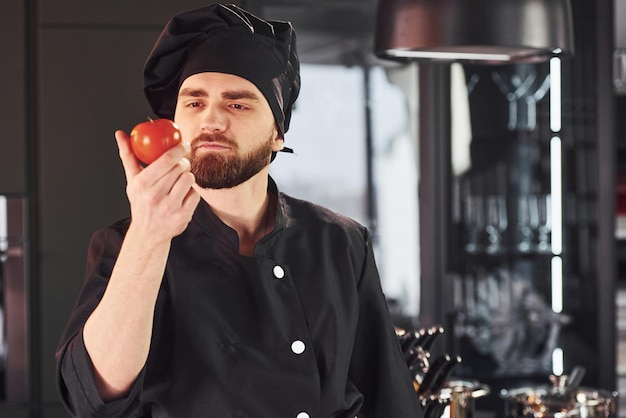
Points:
(459, 202)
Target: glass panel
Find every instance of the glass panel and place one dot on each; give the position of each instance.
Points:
(13, 320)
(328, 133)
(506, 265)
(395, 178)
(523, 227)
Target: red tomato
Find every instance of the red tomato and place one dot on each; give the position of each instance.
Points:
(150, 139)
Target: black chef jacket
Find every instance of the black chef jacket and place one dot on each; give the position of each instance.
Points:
(299, 330)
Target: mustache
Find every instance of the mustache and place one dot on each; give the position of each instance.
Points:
(215, 137)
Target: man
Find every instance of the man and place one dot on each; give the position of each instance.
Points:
(220, 296)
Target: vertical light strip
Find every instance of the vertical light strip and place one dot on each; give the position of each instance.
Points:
(556, 164)
(557, 306)
(557, 362)
(555, 95)
(557, 196)
(557, 284)
(556, 281)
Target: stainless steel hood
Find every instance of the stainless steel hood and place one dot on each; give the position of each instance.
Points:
(351, 32)
(477, 30)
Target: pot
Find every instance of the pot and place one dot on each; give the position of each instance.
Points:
(460, 395)
(557, 402)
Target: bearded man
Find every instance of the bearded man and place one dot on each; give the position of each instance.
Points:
(221, 296)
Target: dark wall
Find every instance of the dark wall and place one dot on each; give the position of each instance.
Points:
(71, 77)
(12, 114)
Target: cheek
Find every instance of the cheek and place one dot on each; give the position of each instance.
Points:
(185, 128)
(177, 114)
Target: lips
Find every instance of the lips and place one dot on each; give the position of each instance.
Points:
(211, 145)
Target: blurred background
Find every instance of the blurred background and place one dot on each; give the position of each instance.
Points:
(494, 191)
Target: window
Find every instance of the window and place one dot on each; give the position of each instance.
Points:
(328, 132)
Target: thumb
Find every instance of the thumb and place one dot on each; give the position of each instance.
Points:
(131, 164)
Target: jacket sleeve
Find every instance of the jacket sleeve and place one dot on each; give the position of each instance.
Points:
(74, 370)
(378, 367)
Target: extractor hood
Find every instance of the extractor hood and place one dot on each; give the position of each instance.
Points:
(476, 30)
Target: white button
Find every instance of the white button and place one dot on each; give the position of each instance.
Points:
(302, 415)
(298, 348)
(279, 273)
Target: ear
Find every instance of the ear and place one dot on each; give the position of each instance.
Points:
(278, 142)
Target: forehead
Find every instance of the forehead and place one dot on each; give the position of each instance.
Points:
(219, 82)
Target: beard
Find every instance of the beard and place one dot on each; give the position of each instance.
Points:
(217, 171)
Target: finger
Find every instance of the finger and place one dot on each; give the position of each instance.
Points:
(191, 200)
(165, 170)
(181, 187)
(164, 182)
(170, 158)
(197, 188)
(129, 161)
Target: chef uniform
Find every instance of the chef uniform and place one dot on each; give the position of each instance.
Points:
(300, 329)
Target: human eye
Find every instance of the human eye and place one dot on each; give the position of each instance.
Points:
(193, 104)
(239, 106)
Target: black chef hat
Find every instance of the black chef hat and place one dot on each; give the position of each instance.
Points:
(225, 39)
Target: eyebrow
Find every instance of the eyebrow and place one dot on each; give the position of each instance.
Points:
(229, 94)
(193, 92)
(240, 94)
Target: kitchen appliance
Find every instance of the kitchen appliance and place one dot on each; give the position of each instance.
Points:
(460, 395)
(563, 398)
(439, 393)
(489, 30)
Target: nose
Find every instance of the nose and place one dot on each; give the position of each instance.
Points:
(214, 119)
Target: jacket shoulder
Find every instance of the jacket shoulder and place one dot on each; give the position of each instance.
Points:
(307, 214)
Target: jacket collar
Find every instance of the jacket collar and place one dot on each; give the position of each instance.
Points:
(205, 219)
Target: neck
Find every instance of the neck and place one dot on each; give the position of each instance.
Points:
(247, 208)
